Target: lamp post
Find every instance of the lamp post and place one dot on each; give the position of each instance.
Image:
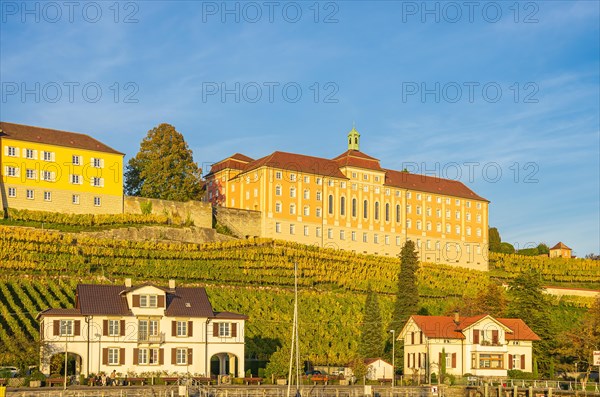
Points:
(393, 331)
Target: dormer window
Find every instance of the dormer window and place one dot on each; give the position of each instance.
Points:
(148, 301)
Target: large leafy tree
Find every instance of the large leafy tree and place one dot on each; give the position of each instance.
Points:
(579, 343)
(528, 302)
(407, 295)
(371, 336)
(494, 239)
(491, 300)
(164, 168)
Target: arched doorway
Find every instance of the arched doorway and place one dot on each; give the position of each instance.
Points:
(225, 364)
(57, 364)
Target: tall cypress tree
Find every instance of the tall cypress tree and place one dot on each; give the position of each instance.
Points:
(407, 296)
(371, 338)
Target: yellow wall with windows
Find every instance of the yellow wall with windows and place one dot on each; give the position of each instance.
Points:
(43, 177)
(446, 229)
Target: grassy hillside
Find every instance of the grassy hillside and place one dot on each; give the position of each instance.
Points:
(40, 269)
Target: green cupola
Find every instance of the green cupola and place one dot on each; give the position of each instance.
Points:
(353, 139)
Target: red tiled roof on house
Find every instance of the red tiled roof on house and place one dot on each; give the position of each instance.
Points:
(299, 163)
(355, 158)
(560, 245)
(520, 330)
(189, 302)
(97, 299)
(59, 312)
(438, 327)
(429, 184)
(48, 136)
(369, 361)
(229, 316)
(445, 327)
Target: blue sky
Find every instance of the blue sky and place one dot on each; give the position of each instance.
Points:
(501, 95)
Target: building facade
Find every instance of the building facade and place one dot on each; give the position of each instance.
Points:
(350, 202)
(141, 329)
(560, 250)
(59, 171)
(479, 345)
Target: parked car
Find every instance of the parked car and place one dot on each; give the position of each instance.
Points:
(9, 372)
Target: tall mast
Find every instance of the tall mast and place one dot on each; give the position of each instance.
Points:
(295, 345)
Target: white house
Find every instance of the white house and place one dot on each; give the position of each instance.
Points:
(378, 369)
(145, 328)
(479, 345)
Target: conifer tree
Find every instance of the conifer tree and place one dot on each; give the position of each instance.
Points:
(371, 338)
(407, 296)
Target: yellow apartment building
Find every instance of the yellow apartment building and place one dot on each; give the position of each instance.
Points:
(52, 170)
(350, 202)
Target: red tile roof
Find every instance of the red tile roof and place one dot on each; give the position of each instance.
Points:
(299, 163)
(444, 327)
(59, 313)
(369, 361)
(189, 302)
(48, 136)
(429, 184)
(559, 246)
(520, 330)
(237, 162)
(230, 316)
(97, 299)
(438, 327)
(354, 158)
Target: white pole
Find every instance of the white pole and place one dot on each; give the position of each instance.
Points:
(66, 344)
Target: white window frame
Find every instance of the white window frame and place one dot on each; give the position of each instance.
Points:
(76, 159)
(113, 356)
(75, 199)
(224, 330)
(67, 327)
(47, 196)
(97, 201)
(12, 192)
(182, 328)
(30, 194)
(114, 328)
(181, 354)
(11, 151)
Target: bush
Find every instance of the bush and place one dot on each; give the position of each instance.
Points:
(518, 374)
(146, 208)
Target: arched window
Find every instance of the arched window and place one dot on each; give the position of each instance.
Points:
(398, 213)
(387, 212)
(343, 206)
(330, 204)
(377, 210)
(365, 209)
(354, 207)
(278, 190)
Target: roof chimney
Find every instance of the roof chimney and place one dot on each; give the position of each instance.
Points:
(172, 284)
(456, 318)
(127, 283)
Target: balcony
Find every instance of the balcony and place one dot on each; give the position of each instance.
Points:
(145, 338)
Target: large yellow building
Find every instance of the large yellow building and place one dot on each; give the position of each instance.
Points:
(350, 202)
(51, 170)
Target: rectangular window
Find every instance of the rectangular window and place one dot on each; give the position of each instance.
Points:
(76, 160)
(277, 227)
(319, 181)
(148, 301)
(30, 194)
(292, 229)
(376, 238)
(387, 240)
(76, 179)
(97, 182)
(493, 361)
(97, 163)
(181, 356)
(11, 171)
(342, 235)
(47, 196)
(97, 201)
(398, 240)
(478, 206)
(113, 356)
(306, 211)
(66, 327)
(365, 237)
(329, 233)
(11, 151)
(75, 199)
(143, 356)
(48, 156)
(307, 179)
(306, 230)
(353, 236)
(182, 328)
(47, 176)
(12, 192)
(277, 174)
(224, 329)
(318, 231)
(29, 153)
(278, 207)
(292, 177)
(419, 196)
(306, 194)
(114, 328)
